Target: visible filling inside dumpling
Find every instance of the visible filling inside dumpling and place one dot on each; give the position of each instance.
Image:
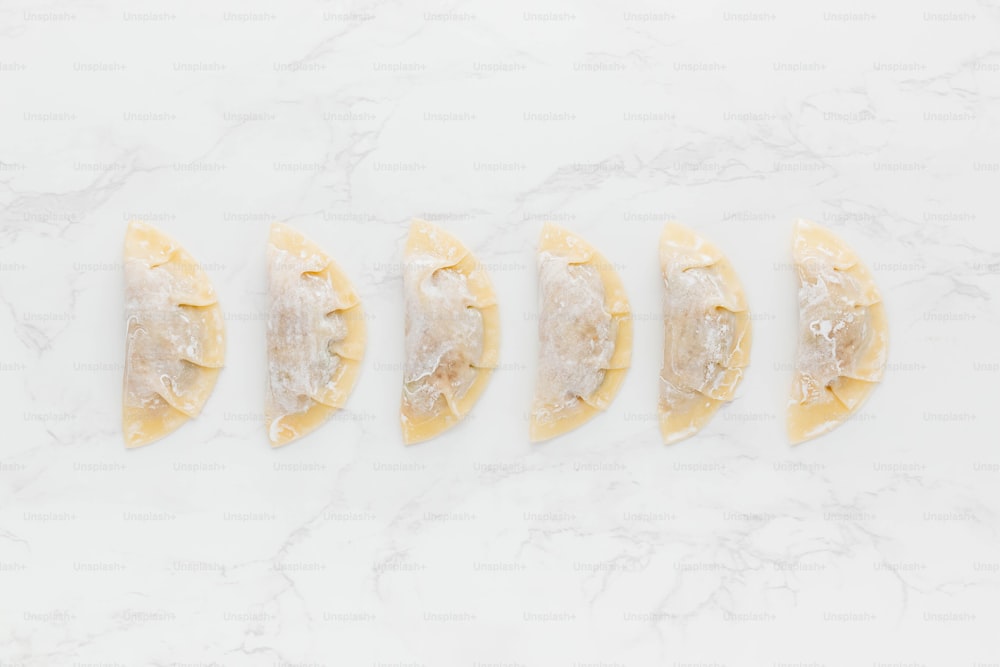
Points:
(444, 336)
(303, 329)
(164, 340)
(576, 334)
(700, 335)
(833, 328)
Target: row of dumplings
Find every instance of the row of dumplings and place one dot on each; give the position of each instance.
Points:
(175, 340)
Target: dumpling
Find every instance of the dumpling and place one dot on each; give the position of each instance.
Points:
(175, 339)
(843, 333)
(584, 334)
(452, 336)
(706, 326)
(315, 336)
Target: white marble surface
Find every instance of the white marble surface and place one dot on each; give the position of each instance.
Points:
(875, 545)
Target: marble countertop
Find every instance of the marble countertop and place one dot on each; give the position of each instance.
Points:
(875, 545)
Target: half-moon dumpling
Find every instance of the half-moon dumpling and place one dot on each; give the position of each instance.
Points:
(584, 334)
(843, 334)
(175, 339)
(452, 332)
(315, 336)
(706, 327)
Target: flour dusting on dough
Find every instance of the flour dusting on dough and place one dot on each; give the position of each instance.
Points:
(303, 329)
(843, 334)
(832, 328)
(700, 335)
(444, 335)
(164, 340)
(174, 336)
(706, 332)
(576, 334)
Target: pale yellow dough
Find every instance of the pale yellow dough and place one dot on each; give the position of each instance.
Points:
(707, 332)
(175, 339)
(585, 334)
(843, 333)
(452, 336)
(315, 336)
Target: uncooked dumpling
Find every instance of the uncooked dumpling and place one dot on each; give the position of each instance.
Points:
(843, 334)
(452, 336)
(175, 340)
(584, 334)
(706, 326)
(315, 336)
